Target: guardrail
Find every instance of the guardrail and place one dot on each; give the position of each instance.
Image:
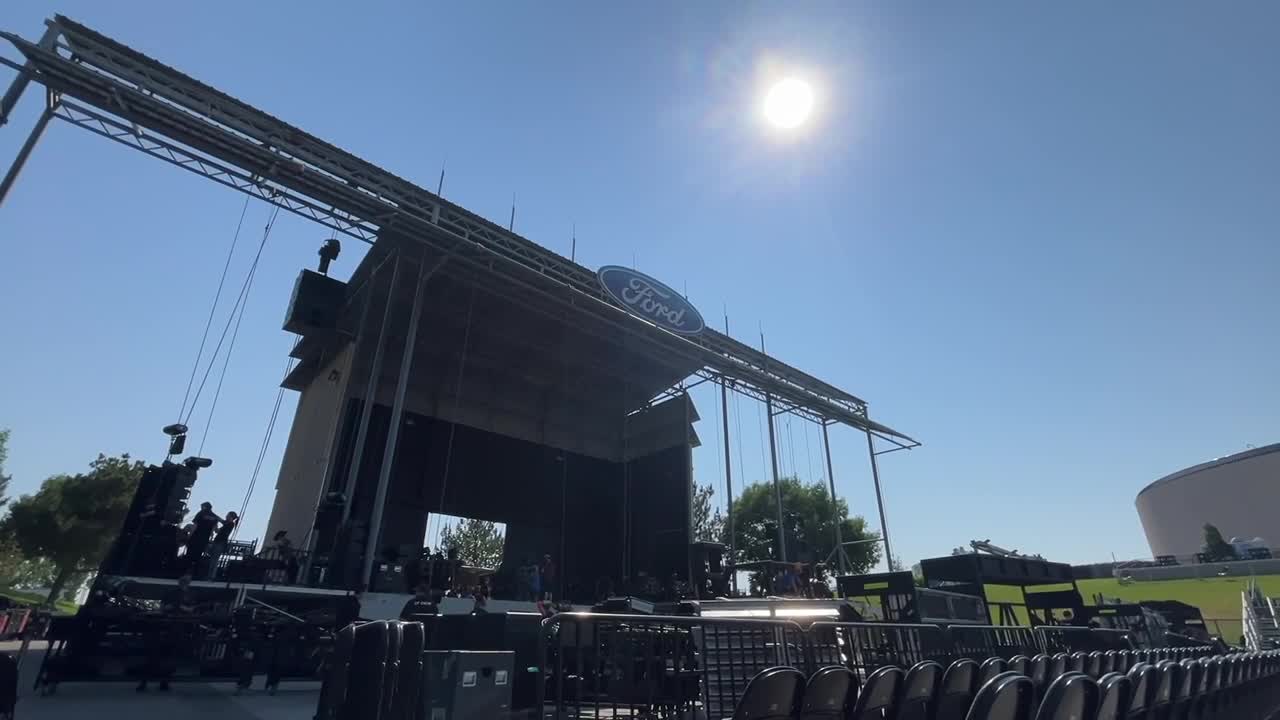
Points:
(642, 666)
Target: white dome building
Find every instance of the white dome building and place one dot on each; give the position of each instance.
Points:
(1239, 493)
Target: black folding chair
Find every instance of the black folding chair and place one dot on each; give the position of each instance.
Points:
(990, 668)
(1073, 696)
(1038, 671)
(829, 693)
(1093, 664)
(1008, 696)
(1143, 679)
(1168, 680)
(1060, 663)
(1191, 688)
(773, 694)
(1116, 698)
(919, 696)
(879, 696)
(1020, 664)
(959, 683)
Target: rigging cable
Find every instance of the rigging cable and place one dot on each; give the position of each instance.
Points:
(737, 412)
(808, 450)
(195, 367)
(266, 441)
(457, 394)
(244, 291)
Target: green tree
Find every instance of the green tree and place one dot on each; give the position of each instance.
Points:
(809, 520)
(708, 525)
(4, 479)
(479, 542)
(72, 520)
(1215, 548)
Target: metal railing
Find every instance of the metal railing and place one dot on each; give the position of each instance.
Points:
(633, 666)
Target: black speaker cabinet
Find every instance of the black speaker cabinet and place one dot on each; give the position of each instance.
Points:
(316, 303)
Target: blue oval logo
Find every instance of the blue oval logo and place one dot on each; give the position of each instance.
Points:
(647, 298)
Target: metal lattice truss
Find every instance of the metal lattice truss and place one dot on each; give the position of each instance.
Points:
(110, 89)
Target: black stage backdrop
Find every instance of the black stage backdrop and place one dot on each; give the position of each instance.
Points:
(528, 486)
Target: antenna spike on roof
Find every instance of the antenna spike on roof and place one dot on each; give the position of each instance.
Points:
(573, 249)
(440, 185)
(511, 225)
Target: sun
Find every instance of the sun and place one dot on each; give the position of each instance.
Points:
(788, 103)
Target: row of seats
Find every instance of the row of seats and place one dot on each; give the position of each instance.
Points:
(1225, 687)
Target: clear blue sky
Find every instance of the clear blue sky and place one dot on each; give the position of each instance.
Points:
(1041, 238)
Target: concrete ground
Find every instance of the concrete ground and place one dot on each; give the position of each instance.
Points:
(185, 701)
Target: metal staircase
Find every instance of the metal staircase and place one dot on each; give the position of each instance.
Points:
(1261, 629)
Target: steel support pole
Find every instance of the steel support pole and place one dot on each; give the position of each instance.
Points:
(25, 152)
(397, 412)
(841, 558)
(777, 485)
(362, 432)
(728, 483)
(19, 84)
(875, 476)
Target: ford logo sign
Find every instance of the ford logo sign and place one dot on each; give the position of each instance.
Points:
(647, 298)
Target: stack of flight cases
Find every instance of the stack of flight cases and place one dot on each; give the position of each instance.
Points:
(395, 670)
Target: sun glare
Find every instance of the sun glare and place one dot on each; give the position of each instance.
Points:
(788, 103)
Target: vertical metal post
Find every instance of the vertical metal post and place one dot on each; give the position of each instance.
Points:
(841, 558)
(397, 412)
(362, 432)
(875, 476)
(688, 489)
(728, 483)
(19, 84)
(24, 152)
(777, 485)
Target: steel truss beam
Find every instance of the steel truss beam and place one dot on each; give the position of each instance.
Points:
(155, 109)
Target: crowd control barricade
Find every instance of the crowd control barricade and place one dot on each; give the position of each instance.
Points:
(864, 647)
(1060, 638)
(633, 666)
(979, 642)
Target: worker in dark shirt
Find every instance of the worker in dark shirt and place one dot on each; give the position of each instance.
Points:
(221, 540)
(204, 523)
(419, 605)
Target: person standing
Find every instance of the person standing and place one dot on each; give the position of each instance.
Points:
(221, 540)
(203, 525)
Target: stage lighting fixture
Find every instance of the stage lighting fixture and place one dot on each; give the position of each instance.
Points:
(328, 253)
(175, 429)
(196, 463)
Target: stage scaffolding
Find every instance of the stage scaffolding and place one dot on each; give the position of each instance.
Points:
(108, 88)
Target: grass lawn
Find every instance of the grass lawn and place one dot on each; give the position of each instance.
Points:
(33, 599)
(1218, 598)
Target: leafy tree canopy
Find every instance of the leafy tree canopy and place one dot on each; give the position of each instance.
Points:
(479, 542)
(72, 520)
(809, 519)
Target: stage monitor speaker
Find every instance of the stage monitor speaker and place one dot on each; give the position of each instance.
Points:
(467, 684)
(316, 303)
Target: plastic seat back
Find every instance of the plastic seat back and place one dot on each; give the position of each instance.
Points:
(1020, 664)
(919, 696)
(990, 668)
(1143, 679)
(1073, 696)
(1116, 697)
(879, 696)
(1093, 664)
(1007, 696)
(773, 694)
(828, 694)
(959, 683)
(1078, 662)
